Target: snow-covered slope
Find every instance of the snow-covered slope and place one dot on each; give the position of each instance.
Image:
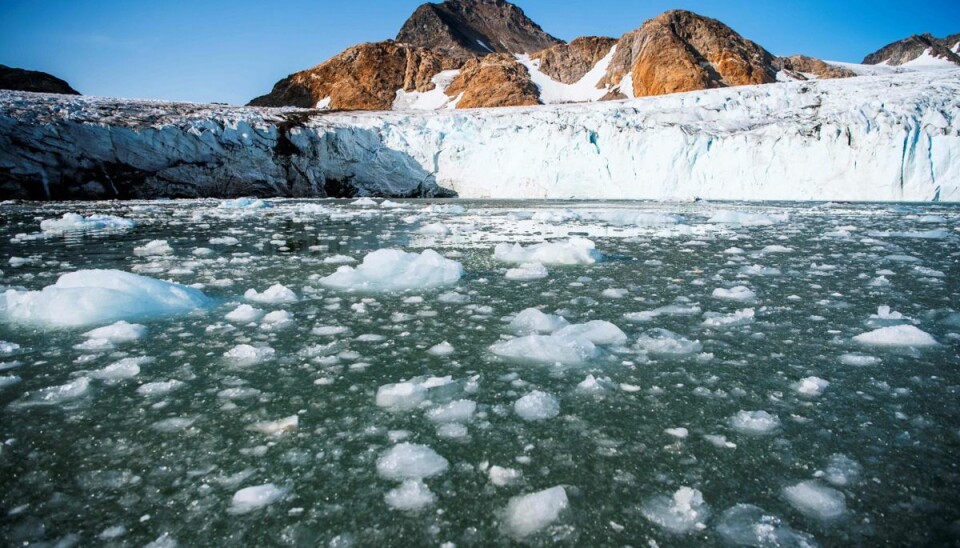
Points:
(887, 137)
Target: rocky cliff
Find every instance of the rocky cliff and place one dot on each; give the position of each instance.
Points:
(496, 80)
(16, 79)
(568, 63)
(464, 29)
(920, 47)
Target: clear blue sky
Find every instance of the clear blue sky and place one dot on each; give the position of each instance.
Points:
(231, 51)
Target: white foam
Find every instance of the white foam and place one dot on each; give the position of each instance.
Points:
(410, 461)
(388, 270)
(527, 514)
(89, 297)
(537, 406)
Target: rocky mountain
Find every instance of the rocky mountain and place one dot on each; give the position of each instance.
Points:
(464, 29)
(487, 53)
(919, 48)
(30, 80)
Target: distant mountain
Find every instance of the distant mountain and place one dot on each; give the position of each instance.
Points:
(922, 49)
(464, 29)
(30, 80)
(488, 53)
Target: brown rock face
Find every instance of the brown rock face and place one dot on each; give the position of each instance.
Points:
(496, 80)
(30, 80)
(798, 64)
(908, 49)
(466, 29)
(364, 77)
(682, 51)
(568, 63)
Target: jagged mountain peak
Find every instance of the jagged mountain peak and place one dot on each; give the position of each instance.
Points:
(464, 29)
(917, 48)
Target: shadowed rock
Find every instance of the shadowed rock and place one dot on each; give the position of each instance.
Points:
(16, 79)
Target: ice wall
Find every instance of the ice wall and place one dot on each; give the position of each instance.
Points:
(888, 137)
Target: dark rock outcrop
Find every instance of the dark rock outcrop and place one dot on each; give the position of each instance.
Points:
(682, 51)
(16, 79)
(464, 29)
(911, 48)
(496, 80)
(364, 77)
(798, 65)
(568, 63)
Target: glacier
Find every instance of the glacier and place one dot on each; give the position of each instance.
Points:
(885, 137)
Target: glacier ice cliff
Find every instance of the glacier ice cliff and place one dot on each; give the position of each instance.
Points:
(873, 138)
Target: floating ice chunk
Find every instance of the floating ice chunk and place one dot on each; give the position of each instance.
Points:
(528, 271)
(748, 525)
(452, 430)
(664, 342)
(124, 369)
(453, 298)
(160, 388)
(119, 332)
(812, 386)
(626, 217)
(596, 331)
(776, 249)
(277, 427)
(277, 320)
(502, 477)
(547, 349)
(173, 424)
(435, 229)
(669, 310)
(816, 500)
(8, 348)
(388, 270)
(165, 540)
(244, 314)
(897, 335)
(410, 461)
(111, 533)
(614, 293)
(412, 495)
(246, 355)
(89, 297)
(532, 320)
(329, 330)
(224, 240)
(679, 433)
(8, 380)
(759, 270)
(746, 219)
(455, 411)
(72, 222)
(537, 406)
(527, 514)
(884, 313)
(153, 248)
(339, 259)
(842, 470)
(389, 204)
(275, 294)
(740, 317)
(54, 395)
(572, 251)
(739, 293)
(734, 251)
(249, 499)
(755, 423)
(238, 393)
(401, 396)
(681, 513)
(245, 203)
(720, 442)
(364, 202)
(442, 349)
(590, 384)
(858, 360)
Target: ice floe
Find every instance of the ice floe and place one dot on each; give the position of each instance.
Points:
(527, 514)
(389, 270)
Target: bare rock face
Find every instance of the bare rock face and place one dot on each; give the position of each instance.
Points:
(465, 29)
(30, 80)
(568, 63)
(364, 77)
(798, 65)
(682, 51)
(911, 48)
(496, 80)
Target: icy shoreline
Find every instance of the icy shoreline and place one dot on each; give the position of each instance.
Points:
(872, 138)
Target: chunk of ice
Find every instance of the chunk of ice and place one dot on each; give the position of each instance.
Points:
(812, 386)
(410, 461)
(455, 411)
(748, 525)
(119, 332)
(275, 294)
(532, 320)
(680, 513)
(537, 406)
(412, 495)
(755, 423)
(246, 355)
(528, 271)
(663, 342)
(570, 252)
(816, 500)
(72, 222)
(527, 514)
(249, 499)
(389, 270)
(739, 293)
(442, 349)
(897, 335)
(277, 427)
(244, 314)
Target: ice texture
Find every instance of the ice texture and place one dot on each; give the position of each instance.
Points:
(739, 293)
(663, 342)
(537, 406)
(72, 222)
(570, 252)
(410, 496)
(119, 332)
(755, 423)
(680, 513)
(90, 297)
(406, 461)
(748, 525)
(532, 320)
(812, 386)
(527, 514)
(275, 294)
(816, 500)
(528, 271)
(254, 498)
(391, 270)
(896, 335)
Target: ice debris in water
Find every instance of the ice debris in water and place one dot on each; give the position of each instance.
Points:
(388, 270)
(680, 513)
(569, 344)
(410, 461)
(89, 297)
(527, 514)
(249, 499)
(815, 500)
(410, 496)
(532, 320)
(277, 427)
(812, 386)
(159, 388)
(124, 369)
(897, 335)
(739, 293)
(408, 395)
(748, 525)
(746, 219)
(501, 477)
(740, 317)
(528, 271)
(245, 203)
(54, 395)
(119, 332)
(153, 248)
(442, 349)
(663, 342)
(537, 406)
(244, 314)
(275, 294)
(755, 423)
(455, 411)
(842, 471)
(246, 355)
(72, 222)
(8, 348)
(572, 251)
